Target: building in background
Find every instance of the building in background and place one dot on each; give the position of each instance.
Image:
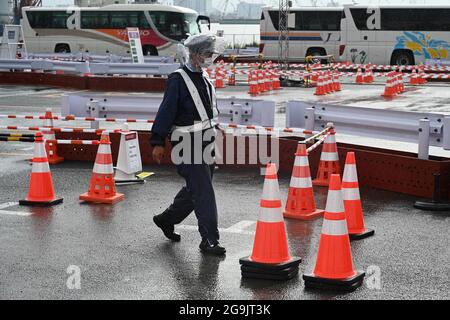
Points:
(248, 10)
(201, 6)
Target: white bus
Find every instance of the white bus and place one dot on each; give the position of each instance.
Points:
(102, 30)
(398, 35)
(313, 31)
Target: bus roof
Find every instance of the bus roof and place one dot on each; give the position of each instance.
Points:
(305, 8)
(399, 6)
(121, 7)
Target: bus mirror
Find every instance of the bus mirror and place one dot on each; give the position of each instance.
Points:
(204, 18)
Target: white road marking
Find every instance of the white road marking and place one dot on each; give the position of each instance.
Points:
(14, 213)
(237, 228)
(27, 149)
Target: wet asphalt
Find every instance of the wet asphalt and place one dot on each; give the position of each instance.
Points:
(121, 254)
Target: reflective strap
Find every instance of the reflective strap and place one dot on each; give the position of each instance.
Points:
(270, 215)
(39, 150)
(271, 190)
(301, 161)
(214, 96)
(40, 167)
(194, 95)
(198, 126)
(335, 203)
(329, 156)
(351, 193)
(104, 148)
(335, 227)
(103, 168)
(301, 182)
(350, 174)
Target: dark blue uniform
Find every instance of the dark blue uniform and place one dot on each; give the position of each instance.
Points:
(178, 108)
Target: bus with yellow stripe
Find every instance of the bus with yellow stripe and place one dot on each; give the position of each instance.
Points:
(102, 30)
(313, 31)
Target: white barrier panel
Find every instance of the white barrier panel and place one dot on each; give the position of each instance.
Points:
(231, 110)
(368, 122)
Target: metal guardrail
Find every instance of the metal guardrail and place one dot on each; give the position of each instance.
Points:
(425, 129)
(109, 58)
(155, 68)
(232, 110)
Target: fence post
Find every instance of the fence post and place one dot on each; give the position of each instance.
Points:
(446, 133)
(309, 119)
(424, 139)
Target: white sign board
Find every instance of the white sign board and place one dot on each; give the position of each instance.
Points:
(134, 39)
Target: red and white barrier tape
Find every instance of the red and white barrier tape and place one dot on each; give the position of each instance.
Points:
(74, 130)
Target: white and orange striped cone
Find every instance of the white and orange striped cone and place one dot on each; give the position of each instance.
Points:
(102, 187)
(336, 83)
(276, 81)
(329, 160)
(267, 81)
(40, 192)
(254, 87)
(320, 89)
(261, 82)
(334, 264)
(352, 201)
(270, 258)
(51, 147)
(359, 77)
(330, 88)
(300, 203)
(219, 79)
(389, 89)
(413, 79)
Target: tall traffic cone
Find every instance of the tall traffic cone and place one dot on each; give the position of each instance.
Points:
(51, 147)
(219, 79)
(40, 192)
(261, 81)
(270, 257)
(276, 81)
(352, 201)
(334, 265)
(300, 203)
(254, 87)
(102, 188)
(336, 82)
(329, 83)
(320, 90)
(389, 89)
(413, 79)
(329, 160)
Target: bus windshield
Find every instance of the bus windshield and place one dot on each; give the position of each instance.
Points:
(174, 25)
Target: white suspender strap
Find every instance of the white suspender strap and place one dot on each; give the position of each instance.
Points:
(194, 94)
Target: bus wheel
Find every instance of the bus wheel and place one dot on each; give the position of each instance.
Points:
(402, 58)
(149, 51)
(62, 48)
(317, 52)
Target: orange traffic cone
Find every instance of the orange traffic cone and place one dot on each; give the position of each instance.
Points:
(389, 90)
(232, 77)
(275, 81)
(359, 77)
(254, 88)
(219, 79)
(41, 192)
(336, 83)
(300, 203)
(352, 201)
(329, 160)
(51, 147)
(334, 265)
(320, 90)
(329, 83)
(261, 81)
(102, 188)
(400, 82)
(414, 78)
(270, 257)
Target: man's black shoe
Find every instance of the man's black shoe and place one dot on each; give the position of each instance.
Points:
(167, 228)
(208, 248)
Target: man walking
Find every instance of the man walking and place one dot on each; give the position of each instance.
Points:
(189, 109)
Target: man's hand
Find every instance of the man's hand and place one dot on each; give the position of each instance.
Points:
(158, 153)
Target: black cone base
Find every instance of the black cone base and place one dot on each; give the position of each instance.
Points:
(280, 271)
(362, 235)
(350, 284)
(432, 205)
(39, 203)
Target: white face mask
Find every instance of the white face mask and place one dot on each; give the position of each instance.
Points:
(207, 62)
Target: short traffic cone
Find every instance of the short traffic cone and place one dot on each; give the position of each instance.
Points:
(40, 192)
(329, 160)
(102, 188)
(276, 81)
(300, 203)
(219, 79)
(336, 83)
(359, 77)
(51, 147)
(334, 265)
(261, 81)
(413, 79)
(254, 87)
(270, 257)
(352, 201)
(329, 83)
